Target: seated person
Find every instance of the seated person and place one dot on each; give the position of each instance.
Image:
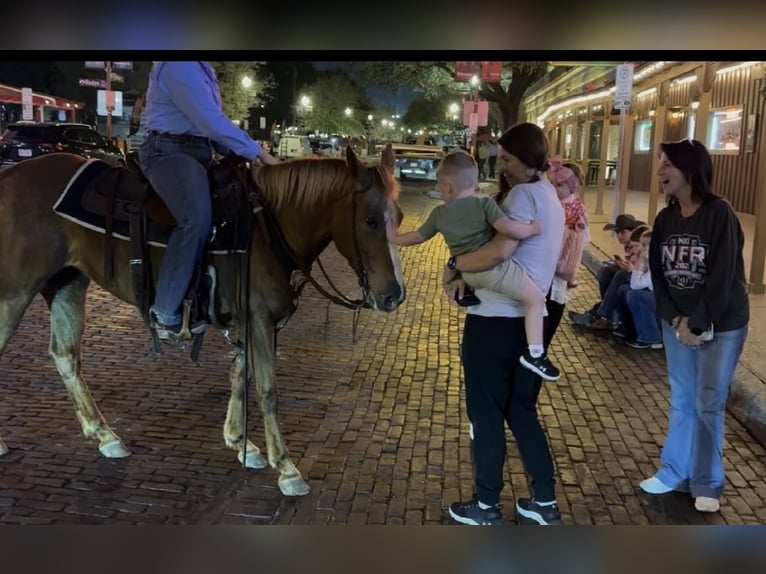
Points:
(640, 321)
(615, 272)
(467, 221)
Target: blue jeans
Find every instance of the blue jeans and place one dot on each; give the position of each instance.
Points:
(610, 302)
(699, 385)
(178, 173)
(643, 312)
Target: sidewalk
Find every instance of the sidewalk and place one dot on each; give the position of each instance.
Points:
(747, 401)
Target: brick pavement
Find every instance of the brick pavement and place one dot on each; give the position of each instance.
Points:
(378, 428)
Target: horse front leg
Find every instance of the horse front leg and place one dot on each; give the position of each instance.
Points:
(261, 354)
(234, 432)
(67, 308)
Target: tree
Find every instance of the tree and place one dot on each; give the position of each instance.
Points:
(436, 78)
(426, 112)
(331, 95)
(237, 98)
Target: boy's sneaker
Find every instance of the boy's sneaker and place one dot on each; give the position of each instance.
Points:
(470, 513)
(540, 365)
(544, 515)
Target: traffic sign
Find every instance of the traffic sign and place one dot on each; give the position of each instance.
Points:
(122, 66)
(109, 103)
(95, 65)
(623, 87)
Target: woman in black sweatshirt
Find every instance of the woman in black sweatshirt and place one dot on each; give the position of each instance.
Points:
(698, 275)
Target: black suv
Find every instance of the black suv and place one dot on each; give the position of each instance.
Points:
(22, 141)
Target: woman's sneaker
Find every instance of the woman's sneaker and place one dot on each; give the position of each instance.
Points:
(471, 513)
(543, 514)
(540, 365)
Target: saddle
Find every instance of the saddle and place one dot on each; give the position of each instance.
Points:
(131, 209)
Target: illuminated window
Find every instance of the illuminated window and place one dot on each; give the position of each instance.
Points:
(724, 129)
(642, 142)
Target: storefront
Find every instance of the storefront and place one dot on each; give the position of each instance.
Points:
(718, 103)
(46, 108)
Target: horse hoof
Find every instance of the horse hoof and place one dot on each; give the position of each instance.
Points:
(254, 459)
(294, 486)
(114, 449)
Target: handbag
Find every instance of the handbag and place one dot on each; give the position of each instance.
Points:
(571, 253)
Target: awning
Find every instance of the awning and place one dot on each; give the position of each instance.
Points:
(12, 95)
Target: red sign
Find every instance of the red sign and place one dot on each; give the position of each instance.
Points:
(475, 113)
(464, 71)
(491, 71)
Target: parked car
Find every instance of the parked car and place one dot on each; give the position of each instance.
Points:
(24, 140)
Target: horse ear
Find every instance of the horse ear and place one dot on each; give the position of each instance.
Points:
(387, 159)
(355, 166)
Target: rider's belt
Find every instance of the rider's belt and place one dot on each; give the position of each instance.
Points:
(179, 138)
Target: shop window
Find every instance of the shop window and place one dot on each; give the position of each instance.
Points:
(724, 129)
(642, 141)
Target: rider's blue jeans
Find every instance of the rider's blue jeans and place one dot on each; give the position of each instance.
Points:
(178, 173)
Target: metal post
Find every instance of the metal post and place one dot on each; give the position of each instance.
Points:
(617, 200)
(107, 98)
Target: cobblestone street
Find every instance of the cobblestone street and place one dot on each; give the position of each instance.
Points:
(378, 428)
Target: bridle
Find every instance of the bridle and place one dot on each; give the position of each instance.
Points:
(337, 297)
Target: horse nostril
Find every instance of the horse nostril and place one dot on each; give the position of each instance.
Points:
(389, 302)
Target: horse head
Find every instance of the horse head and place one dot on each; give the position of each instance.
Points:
(360, 235)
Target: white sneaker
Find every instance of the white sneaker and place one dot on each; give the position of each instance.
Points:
(654, 486)
(707, 504)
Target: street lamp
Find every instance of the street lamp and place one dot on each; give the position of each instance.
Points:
(348, 112)
(305, 101)
(247, 81)
(369, 117)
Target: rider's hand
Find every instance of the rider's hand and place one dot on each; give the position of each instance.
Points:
(267, 158)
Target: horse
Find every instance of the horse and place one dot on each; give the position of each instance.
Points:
(314, 201)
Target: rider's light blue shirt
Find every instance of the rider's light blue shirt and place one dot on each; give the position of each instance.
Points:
(184, 98)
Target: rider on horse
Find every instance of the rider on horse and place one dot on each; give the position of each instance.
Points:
(184, 124)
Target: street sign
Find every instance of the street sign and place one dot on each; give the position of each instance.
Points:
(262, 123)
(27, 110)
(481, 109)
(464, 71)
(491, 72)
(623, 87)
(117, 77)
(105, 101)
(115, 65)
(92, 83)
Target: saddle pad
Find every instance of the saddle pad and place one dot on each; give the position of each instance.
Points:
(228, 237)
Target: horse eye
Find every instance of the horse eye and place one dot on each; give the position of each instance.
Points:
(371, 221)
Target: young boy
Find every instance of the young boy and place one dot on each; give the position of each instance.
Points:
(467, 221)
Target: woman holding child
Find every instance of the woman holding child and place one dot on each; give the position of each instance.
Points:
(498, 388)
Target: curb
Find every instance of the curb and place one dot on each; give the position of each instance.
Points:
(747, 394)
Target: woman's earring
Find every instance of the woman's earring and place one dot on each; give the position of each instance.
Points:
(530, 172)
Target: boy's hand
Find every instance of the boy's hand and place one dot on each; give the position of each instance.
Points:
(392, 230)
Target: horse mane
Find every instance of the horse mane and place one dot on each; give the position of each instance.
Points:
(307, 181)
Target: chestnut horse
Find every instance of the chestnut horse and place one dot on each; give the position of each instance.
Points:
(314, 202)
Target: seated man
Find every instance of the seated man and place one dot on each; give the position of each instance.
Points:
(611, 276)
